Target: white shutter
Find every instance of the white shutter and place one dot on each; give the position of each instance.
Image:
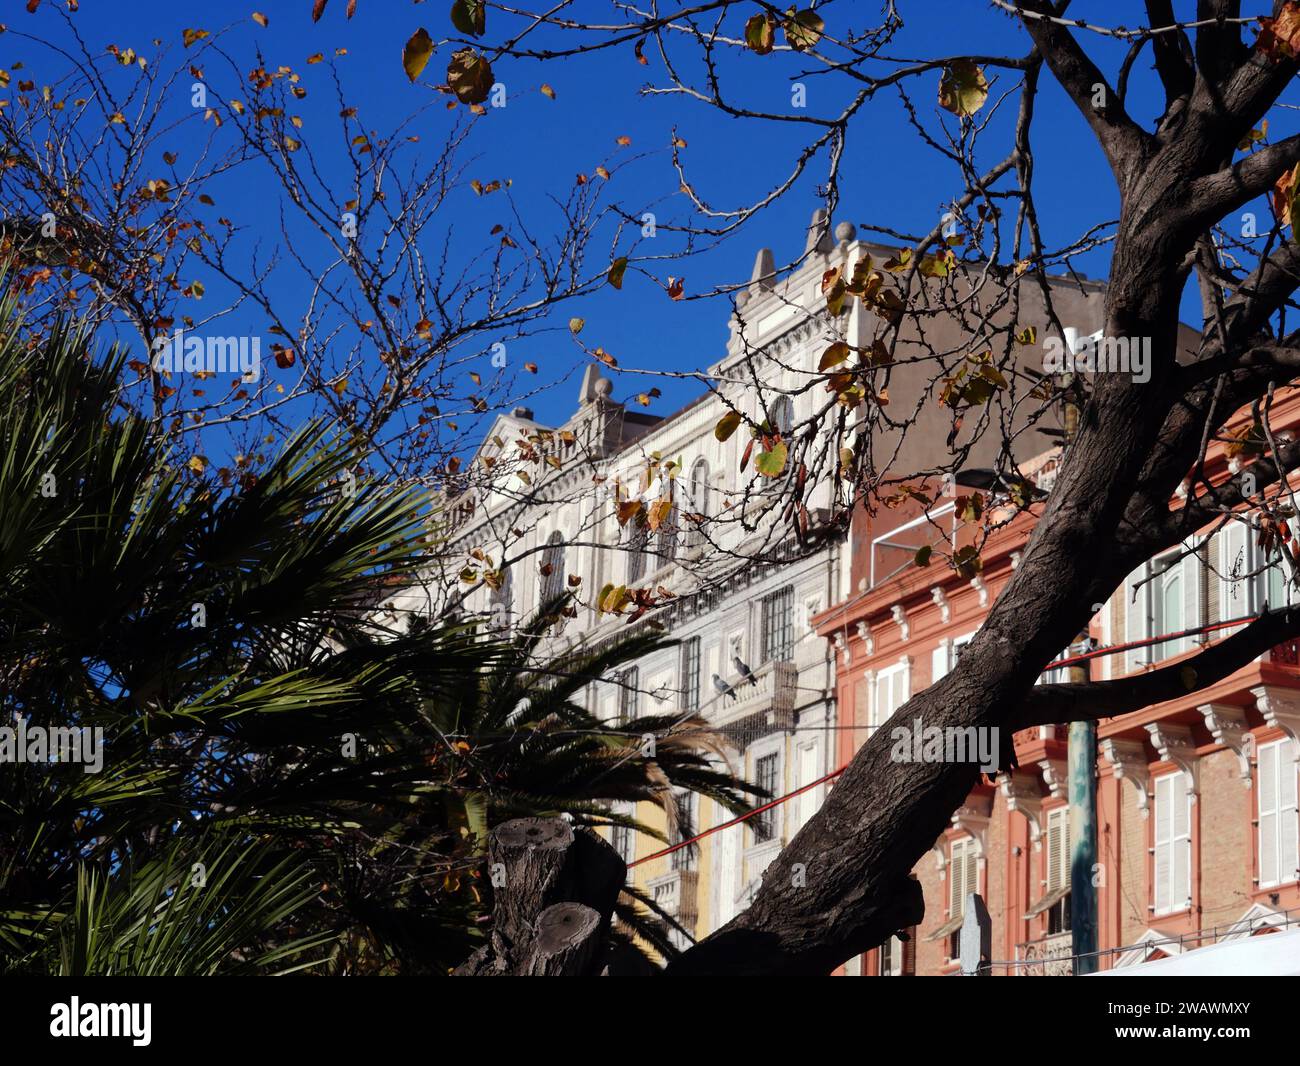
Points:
(1233, 592)
(939, 661)
(807, 775)
(1163, 835)
(1182, 843)
(1268, 815)
(1137, 621)
(1055, 850)
(961, 871)
(1288, 819)
(1191, 594)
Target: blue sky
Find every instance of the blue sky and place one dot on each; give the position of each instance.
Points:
(541, 144)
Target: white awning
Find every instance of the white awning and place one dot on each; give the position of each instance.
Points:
(1262, 955)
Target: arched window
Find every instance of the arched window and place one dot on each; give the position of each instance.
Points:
(699, 503)
(783, 415)
(553, 567)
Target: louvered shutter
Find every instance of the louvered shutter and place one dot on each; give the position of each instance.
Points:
(956, 870)
(1288, 819)
(1055, 850)
(1192, 569)
(1163, 835)
(1268, 814)
(969, 886)
(1182, 844)
(909, 953)
(1136, 617)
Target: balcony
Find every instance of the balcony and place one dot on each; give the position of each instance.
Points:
(771, 693)
(1051, 956)
(1286, 654)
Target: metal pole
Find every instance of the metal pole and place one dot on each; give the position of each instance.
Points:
(1083, 844)
(1083, 800)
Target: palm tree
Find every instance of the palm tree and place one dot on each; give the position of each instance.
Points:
(287, 783)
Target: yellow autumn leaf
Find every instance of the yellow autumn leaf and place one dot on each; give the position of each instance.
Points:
(416, 53)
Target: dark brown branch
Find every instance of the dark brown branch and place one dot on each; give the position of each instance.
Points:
(1048, 704)
(1120, 138)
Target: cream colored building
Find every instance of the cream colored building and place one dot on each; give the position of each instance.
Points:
(744, 587)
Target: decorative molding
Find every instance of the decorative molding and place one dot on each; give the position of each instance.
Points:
(945, 611)
(1128, 758)
(977, 583)
(864, 634)
(1021, 793)
(1227, 725)
(899, 615)
(975, 821)
(1281, 710)
(940, 850)
(1173, 743)
(1056, 777)
(841, 647)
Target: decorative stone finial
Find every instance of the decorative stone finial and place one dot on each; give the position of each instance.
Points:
(819, 233)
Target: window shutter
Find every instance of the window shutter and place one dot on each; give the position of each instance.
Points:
(939, 664)
(1232, 565)
(1288, 822)
(909, 953)
(970, 884)
(956, 878)
(1268, 814)
(1164, 820)
(1136, 617)
(1182, 850)
(1192, 569)
(1055, 850)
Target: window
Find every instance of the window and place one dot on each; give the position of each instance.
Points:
(809, 770)
(1240, 557)
(1163, 597)
(637, 537)
(666, 538)
(699, 502)
(629, 695)
(1172, 866)
(552, 568)
(963, 879)
(1171, 595)
(767, 777)
(499, 610)
(783, 415)
(621, 838)
(684, 858)
(891, 693)
(1058, 869)
(1278, 827)
(689, 681)
(897, 957)
(778, 625)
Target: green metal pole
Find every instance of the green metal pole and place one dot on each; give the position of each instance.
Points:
(1083, 845)
(1083, 803)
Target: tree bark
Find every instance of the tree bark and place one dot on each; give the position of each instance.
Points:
(554, 893)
